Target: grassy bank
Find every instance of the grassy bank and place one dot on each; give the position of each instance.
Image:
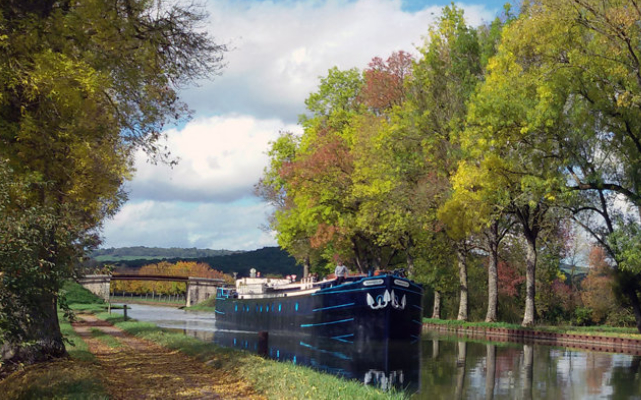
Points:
(610, 331)
(207, 305)
(276, 380)
(78, 377)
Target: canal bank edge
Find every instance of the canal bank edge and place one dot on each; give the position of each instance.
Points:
(609, 344)
(273, 379)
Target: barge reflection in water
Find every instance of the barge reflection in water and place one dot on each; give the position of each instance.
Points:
(450, 367)
(384, 364)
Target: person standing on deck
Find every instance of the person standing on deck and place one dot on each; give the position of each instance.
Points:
(341, 272)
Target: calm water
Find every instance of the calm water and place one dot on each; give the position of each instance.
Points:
(437, 367)
(453, 368)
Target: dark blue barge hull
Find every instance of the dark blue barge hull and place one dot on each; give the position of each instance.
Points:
(385, 364)
(384, 307)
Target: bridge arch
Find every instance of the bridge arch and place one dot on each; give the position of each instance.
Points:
(198, 289)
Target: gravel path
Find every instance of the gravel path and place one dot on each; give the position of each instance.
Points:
(139, 369)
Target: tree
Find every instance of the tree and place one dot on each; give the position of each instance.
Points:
(465, 212)
(598, 289)
(23, 286)
(478, 214)
(273, 187)
(313, 180)
(82, 85)
(555, 300)
(516, 121)
(580, 62)
(384, 82)
(443, 80)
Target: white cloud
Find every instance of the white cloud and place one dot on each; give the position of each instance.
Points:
(279, 51)
(221, 158)
(233, 226)
(281, 48)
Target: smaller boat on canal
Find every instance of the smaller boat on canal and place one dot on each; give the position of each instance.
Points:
(361, 309)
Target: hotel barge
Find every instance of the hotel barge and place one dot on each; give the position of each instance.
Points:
(363, 308)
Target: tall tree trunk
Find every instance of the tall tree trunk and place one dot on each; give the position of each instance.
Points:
(306, 267)
(462, 272)
(41, 338)
(436, 310)
(531, 219)
(492, 288)
(410, 264)
(530, 282)
(492, 273)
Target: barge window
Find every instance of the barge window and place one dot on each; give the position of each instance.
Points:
(296, 306)
(280, 306)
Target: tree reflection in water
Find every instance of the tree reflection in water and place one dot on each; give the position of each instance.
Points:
(452, 367)
(461, 358)
(490, 370)
(448, 367)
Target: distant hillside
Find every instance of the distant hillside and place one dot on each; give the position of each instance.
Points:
(268, 260)
(149, 253)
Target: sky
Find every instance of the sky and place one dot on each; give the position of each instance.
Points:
(278, 52)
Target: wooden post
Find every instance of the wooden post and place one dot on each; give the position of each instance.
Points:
(125, 311)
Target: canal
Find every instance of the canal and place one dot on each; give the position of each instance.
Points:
(436, 367)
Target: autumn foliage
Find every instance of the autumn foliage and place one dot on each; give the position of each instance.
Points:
(180, 268)
(491, 132)
(598, 294)
(384, 81)
(509, 280)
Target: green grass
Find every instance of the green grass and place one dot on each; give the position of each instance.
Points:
(76, 347)
(76, 294)
(276, 380)
(611, 331)
(80, 299)
(581, 330)
(105, 338)
(206, 305)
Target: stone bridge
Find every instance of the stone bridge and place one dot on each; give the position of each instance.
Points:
(198, 289)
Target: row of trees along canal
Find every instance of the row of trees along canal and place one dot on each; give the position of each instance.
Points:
(83, 87)
(505, 143)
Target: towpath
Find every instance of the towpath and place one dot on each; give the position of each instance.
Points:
(133, 368)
